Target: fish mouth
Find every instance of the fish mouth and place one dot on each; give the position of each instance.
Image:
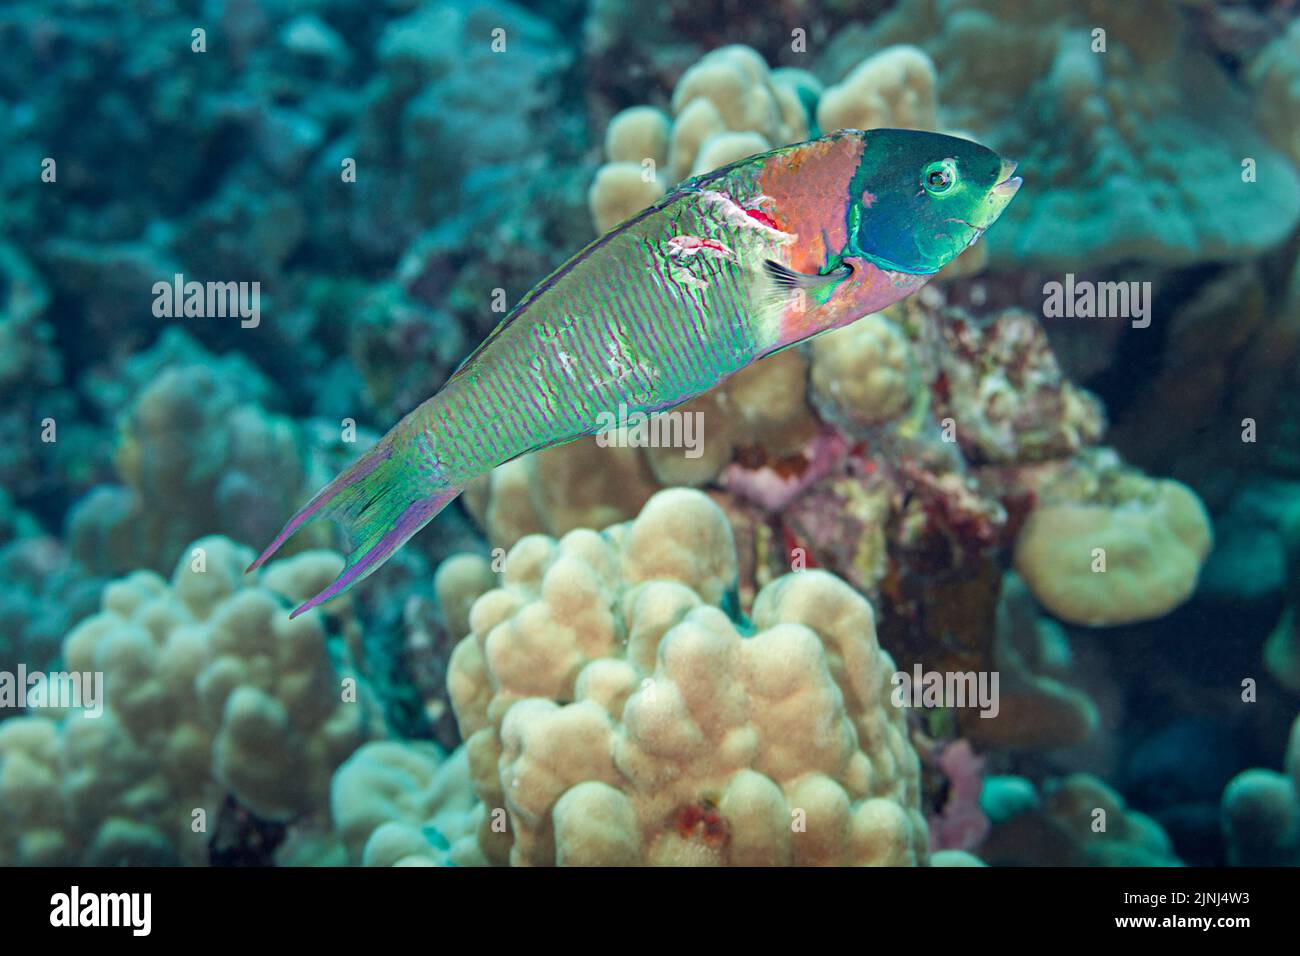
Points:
(1009, 183)
(1000, 196)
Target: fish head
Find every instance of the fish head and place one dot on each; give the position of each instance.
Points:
(918, 199)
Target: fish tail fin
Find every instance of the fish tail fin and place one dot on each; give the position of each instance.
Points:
(381, 501)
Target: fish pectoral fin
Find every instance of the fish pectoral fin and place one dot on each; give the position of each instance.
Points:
(790, 280)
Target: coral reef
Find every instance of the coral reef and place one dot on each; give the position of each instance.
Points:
(193, 456)
(892, 88)
(1037, 706)
(1231, 346)
(961, 483)
(863, 374)
(210, 693)
(1275, 75)
(1006, 393)
(1075, 821)
(1261, 813)
(1128, 129)
(727, 106)
(404, 804)
(50, 452)
(1282, 650)
(45, 594)
(1105, 545)
(616, 715)
(296, 146)
(911, 454)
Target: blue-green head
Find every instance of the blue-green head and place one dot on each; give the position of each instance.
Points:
(919, 199)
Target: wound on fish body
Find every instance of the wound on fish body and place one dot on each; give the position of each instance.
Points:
(727, 268)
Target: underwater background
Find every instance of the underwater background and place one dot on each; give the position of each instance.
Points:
(1072, 461)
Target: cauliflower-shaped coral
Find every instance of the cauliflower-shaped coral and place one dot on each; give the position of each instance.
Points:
(1119, 549)
(747, 97)
(193, 456)
(556, 490)
(619, 191)
(863, 374)
(400, 803)
(1074, 821)
(893, 88)
(210, 690)
(637, 134)
(1261, 812)
(727, 106)
(617, 715)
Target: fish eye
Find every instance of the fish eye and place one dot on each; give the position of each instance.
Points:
(939, 177)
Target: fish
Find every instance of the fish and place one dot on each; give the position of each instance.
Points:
(725, 269)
